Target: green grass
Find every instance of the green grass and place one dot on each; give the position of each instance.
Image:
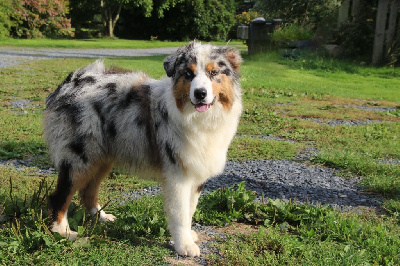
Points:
(269, 72)
(138, 236)
(317, 243)
(297, 234)
(96, 43)
(282, 98)
(250, 148)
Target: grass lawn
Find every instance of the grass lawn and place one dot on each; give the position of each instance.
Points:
(292, 100)
(96, 43)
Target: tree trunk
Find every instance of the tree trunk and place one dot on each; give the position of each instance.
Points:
(394, 9)
(344, 12)
(109, 17)
(355, 9)
(115, 19)
(110, 27)
(103, 14)
(380, 27)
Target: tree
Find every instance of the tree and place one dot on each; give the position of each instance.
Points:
(111, 10)
(199, 19)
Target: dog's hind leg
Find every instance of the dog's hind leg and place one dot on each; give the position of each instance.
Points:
(89, 194)
(60, 199)
(177, 198)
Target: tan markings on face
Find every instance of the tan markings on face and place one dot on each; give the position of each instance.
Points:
(193, 67)
(181, 89)
(224, 91)
(181, 92)
(211, 66)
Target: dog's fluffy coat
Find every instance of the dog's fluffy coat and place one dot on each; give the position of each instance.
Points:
(176, 130)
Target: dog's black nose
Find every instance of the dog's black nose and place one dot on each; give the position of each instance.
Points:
(200, 93)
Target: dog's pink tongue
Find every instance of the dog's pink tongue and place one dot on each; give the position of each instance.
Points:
(202, 107)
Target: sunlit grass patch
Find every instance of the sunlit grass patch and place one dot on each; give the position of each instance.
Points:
(333, 109)
(103, 43)
(34, 80)
(21, 134)
(260, 118)
(252, 148)
(269, 71)
(360, 151)
(364, 243)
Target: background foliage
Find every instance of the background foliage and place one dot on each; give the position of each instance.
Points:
(200, 19)
(309, 12)
(357, 36)
(40, 18)
(85, 17)
(5, 20)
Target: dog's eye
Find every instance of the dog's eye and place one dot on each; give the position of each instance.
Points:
(214, 72)
(189, 74)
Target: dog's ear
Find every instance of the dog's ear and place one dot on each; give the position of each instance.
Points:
(172, 61)
(169, 64)
(234, 58)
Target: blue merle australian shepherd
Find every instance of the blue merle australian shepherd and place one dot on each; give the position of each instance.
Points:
(176, 130)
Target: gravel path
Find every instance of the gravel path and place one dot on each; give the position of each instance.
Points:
(284, 179)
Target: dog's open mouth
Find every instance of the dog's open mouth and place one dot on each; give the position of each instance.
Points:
(202, 107)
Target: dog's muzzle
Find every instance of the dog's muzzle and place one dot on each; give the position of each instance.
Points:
(200, 94)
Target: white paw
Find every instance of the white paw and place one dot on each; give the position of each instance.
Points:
(72, 235)
(103, 217)
(194, 236)
(106, 217)
(64, 231)
(188, 249)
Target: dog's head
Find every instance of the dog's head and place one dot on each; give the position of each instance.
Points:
(204, 75)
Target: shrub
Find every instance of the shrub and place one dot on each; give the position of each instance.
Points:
(5, 21)
(355, 37)
(246, 17)
(291, 32)
(40, 18)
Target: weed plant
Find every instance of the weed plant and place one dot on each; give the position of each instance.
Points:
(296, 234)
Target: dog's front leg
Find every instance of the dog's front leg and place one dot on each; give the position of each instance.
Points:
(177, 197)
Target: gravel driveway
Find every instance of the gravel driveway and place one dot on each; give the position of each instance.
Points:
(282, 179)
(10, 56)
